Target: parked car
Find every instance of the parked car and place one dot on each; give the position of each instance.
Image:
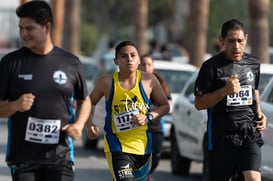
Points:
(175, 74)
(267, 149)
(266, 75)
(91, 70)
(189, 130)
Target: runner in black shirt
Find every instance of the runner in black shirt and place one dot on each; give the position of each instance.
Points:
(38, 85)
(227, 86)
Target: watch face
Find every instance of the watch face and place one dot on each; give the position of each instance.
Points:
(149, 117)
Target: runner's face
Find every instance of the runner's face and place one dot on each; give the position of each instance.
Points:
(234, 44)
(147, 65)
(128, 58)
(33, 35)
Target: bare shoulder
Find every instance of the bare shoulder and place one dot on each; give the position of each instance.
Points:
(104, 79)
(149, 82)
(102, 86)
(104, 82)
(147, 76)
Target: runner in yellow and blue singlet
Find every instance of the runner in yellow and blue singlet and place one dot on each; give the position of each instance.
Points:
(120, 107)
(128, 142)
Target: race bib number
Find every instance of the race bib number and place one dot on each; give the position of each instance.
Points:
(124, 120)
(243, 98)
(43, 131)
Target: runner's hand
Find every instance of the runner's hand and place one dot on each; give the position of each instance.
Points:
(232, 85)
(140, 119)
(24, 102)
(73, 130)
(92, 131)
(261, 122)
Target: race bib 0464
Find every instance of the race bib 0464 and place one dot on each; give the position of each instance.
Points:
(242, 98)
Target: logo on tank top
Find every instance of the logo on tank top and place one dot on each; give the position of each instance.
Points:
(131, 104)
(250, 76)
(59, 77)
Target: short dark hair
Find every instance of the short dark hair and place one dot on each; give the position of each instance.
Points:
(233, 24)
(123, 44)
(40, 11)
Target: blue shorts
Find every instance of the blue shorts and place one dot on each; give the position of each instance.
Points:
(128, 167)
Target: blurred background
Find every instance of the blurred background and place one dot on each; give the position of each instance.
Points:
(177, 32)
(183, 27)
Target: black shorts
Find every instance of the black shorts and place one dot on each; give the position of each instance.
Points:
(128, 167)
(224, 163)
(34, 172)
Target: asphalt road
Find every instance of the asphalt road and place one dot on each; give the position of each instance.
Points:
(91, 164)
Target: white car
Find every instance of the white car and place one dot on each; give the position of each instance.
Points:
(175, 74)
(188, 133)
(91, 72)
(188, 130)
(90, 69)
(267, 149)
(266, 74)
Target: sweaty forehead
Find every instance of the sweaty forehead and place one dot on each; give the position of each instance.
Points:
(23, 22)
(238, 34)
(127, 50)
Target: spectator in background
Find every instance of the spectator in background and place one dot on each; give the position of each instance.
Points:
(217, 46)
(157, 125)
(155, 51)
(165, 54)
(107, 58)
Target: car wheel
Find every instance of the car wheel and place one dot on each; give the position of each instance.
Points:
(205, 170)
(179, 165)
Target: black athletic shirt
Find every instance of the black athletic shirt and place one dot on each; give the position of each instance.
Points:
(231, 122)
(55, 80)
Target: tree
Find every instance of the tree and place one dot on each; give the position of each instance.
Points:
(259, 28)
(140, 24)
(198, 27)
(72, 30)
(58, 15)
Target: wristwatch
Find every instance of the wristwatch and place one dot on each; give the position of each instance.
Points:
(150, 117)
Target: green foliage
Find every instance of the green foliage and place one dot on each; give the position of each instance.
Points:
(99, 15)
(161, 10)
(88, 38)
(221, 11)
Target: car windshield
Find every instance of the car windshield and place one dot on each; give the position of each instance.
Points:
(264, 79)
(175, 79)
